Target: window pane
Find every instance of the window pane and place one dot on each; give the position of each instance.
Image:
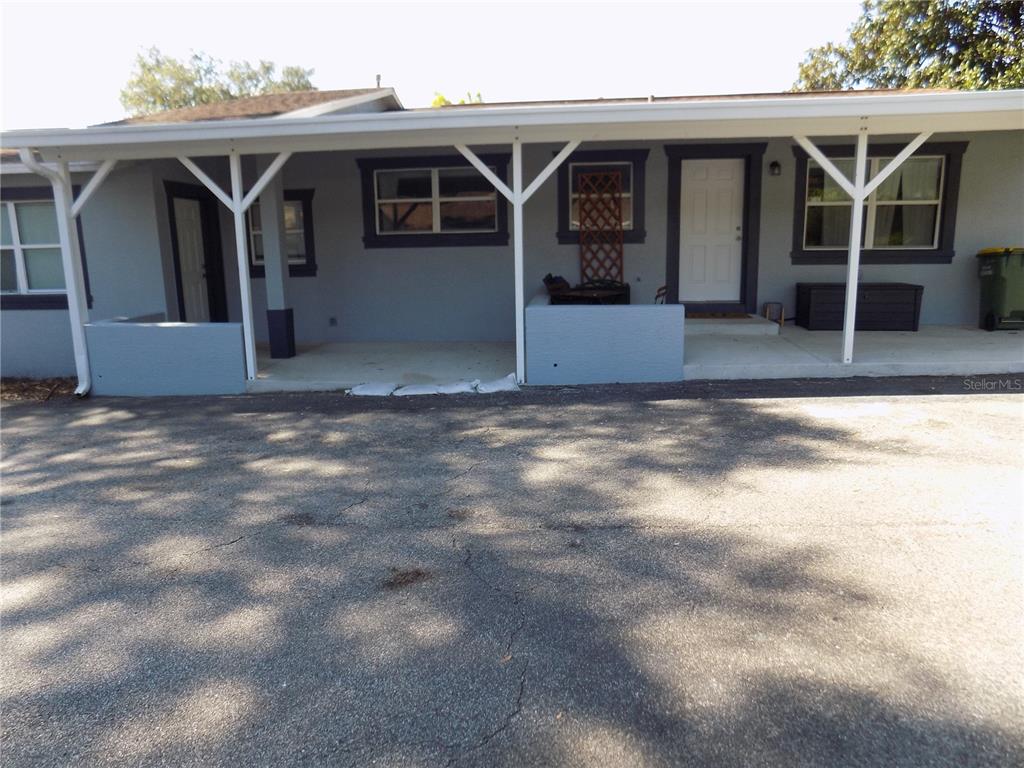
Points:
(627, 213)
(37, 223)
(468, 215)
(828, 225)
(463, 182)
(257, 247)
(917, 179)
(905, 225)
(254, 217)
(44, 269)
(626, 169)
(8, 274)
(5, 227)
(405, 217)
(393, 185)
(293, 215)
(295, 244)
(821, 187)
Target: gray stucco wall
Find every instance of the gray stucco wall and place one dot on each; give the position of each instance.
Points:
(603, 345)
(143, 358)
(122, 248)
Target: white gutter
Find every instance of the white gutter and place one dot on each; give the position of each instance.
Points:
(1010, 103)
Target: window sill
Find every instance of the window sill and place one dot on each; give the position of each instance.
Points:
(294, 270)
(629, 236)
(874, 257)
(450, 240)
(33, 301)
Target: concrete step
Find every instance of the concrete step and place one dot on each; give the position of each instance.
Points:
(751, 325)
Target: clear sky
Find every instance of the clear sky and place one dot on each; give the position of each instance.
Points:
(64, 64)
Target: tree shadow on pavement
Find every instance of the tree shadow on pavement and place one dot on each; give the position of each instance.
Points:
(218, 581)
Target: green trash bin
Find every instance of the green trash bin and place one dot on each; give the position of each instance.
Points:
(1001, 271)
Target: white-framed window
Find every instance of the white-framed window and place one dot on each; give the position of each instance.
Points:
(294, 233)
(430, 201)
(30, 256)
(904, 213)
(625, 167)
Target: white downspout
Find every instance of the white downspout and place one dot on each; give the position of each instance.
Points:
(74, 280)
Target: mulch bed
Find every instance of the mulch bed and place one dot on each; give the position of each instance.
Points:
(36, 389)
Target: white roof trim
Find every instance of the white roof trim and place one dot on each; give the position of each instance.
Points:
(342, 105)
(695, 119)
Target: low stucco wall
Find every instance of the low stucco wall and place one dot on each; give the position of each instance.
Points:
(129, 357)
(36, 343)
(603, 344)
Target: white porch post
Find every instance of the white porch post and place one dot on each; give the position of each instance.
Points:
(518, 197)
(853, 257)
(74, 279)
(859, 191)
(517, 255)
(238, 202)
(244, 285)
(71, 253)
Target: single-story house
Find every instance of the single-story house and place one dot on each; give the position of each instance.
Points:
(329, 238)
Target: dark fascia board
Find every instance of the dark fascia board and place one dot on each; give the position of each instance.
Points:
(309, 239)
(638, 157)
(752, 153)
(367, 165)
(953, 151)
(44, 300)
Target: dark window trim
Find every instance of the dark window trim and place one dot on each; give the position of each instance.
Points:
(305, 196)
(753, 155)
(213, 253)
(953, 151)
(367, 165)
(638, 157)
(44, 300)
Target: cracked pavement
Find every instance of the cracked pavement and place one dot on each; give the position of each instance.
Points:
(787, 573)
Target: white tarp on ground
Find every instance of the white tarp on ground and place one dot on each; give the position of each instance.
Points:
(504, 384)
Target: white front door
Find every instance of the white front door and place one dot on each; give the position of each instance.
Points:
(192, 260)
(711, 230)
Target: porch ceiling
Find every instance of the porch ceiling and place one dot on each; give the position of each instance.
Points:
(710, 119)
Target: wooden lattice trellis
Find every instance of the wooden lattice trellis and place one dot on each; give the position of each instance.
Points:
(600, 217)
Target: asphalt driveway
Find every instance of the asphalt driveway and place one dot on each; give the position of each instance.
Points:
(609, 577)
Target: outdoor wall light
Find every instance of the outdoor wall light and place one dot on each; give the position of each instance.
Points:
(775, 168)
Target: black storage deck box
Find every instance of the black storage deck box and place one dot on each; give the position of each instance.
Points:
(880, 306)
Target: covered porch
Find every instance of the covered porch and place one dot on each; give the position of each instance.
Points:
(343, 365)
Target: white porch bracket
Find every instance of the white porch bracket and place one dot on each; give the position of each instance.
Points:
(518, 196)
(896, 162)
(209, 183)
(263, 180)
(98, 177)
(550, 168)
(488, 174)
(830, 168)
(859, 191)
(70, 252)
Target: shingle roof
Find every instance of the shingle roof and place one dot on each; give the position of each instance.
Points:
(708, 97)
(267, 105)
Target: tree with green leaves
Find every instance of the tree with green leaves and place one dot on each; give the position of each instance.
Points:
(440, 100)
(965, 44)
(160, 82)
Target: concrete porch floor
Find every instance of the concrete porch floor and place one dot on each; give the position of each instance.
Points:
(797, 353)
(324, 367)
